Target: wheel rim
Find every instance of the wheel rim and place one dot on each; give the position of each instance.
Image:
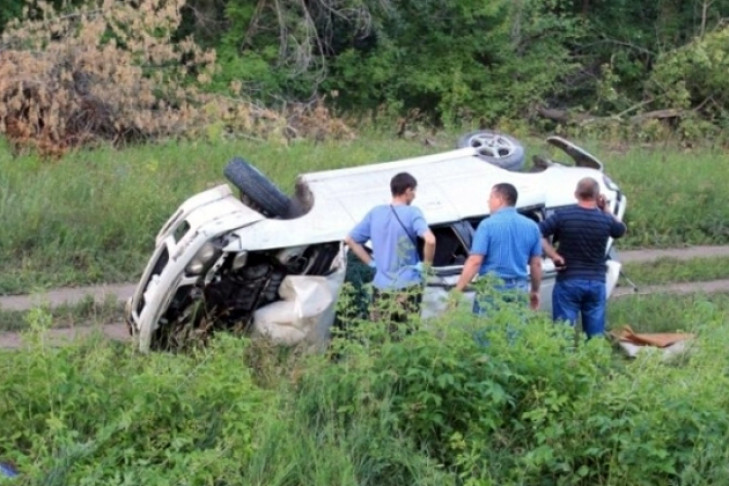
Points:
(492, 145)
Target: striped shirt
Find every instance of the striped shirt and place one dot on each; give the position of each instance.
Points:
(507, 240)
(581, 235)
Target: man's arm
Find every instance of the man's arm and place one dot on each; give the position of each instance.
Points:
(359, 250)
(547, 228)
(421, 228)
(552, 253)
(470, 269)
(617, 227)
(428, 247)
(535, 274)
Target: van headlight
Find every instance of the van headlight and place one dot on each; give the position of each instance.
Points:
(610, 184)
(202, 258)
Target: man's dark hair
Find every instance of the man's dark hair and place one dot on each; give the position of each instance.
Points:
(507, 191)
(402, 182)
(588, 189)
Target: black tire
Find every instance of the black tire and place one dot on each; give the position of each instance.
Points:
(257, 188)
(495, 148)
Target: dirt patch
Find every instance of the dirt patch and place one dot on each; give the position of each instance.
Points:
(66, 295)
(122, 292)
(688, 253)
(710, 287)
(57, 337)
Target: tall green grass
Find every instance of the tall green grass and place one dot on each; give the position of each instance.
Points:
(433, 407)
(665, 313)
(675, 196)
(92, 216)
(669, 270)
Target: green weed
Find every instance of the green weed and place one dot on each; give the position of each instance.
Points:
(664, 313)
(669, 270)
(509, 398)
(86, 312)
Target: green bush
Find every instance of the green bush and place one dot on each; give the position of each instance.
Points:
(97, 413)
(526, 404)
(532, 407)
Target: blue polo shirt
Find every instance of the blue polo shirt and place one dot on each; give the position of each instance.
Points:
(393, 243)
(507, 240)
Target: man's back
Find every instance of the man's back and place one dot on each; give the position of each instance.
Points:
(581, 235)
(508, 240)
(393, 230)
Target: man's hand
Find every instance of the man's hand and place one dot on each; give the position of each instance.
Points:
(559, 262)
(601, 202)
(534, 300)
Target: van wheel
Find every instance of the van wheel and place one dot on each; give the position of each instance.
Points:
(495, 148)
(257, 189)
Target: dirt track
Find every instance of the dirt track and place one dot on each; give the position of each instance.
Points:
(121, 292)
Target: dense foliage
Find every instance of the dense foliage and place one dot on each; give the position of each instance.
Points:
(119, 72)
(651, 68)
(433, 408)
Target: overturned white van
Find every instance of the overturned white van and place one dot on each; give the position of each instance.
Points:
(267, 263)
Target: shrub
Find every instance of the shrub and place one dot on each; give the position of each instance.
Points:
(531, 407)
(97, 413)
(113, 71)
(107, 71)
(694, 76)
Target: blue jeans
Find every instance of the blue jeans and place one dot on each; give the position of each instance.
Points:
(574, 296)
(513, 290)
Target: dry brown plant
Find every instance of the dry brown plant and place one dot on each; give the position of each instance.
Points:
(113, 72)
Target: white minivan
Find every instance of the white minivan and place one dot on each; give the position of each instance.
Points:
(263, 262)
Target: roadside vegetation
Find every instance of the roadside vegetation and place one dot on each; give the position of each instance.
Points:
(183, 86)
(79, 72)
(671, 270)
(432, 408)
(86, 312)
(665, 313)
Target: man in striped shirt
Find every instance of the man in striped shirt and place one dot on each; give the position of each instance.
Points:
(504, 244)
(582, 233)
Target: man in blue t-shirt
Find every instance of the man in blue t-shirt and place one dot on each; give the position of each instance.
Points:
(582, 233)
(504, 245)
(393, 230)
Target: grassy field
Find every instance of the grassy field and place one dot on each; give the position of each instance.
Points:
(92, 216)
(432, 408)
(671, 270)
(664, 313)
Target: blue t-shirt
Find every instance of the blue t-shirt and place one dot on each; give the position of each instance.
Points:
(581, 236)
(393, 248)
(507, 240)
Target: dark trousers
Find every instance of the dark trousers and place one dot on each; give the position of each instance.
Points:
(587, 297)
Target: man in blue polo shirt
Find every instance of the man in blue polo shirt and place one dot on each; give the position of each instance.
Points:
(582, 232)
(504, 245)
(393, 230)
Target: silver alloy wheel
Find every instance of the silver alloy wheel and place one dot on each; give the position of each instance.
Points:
(492, 144)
